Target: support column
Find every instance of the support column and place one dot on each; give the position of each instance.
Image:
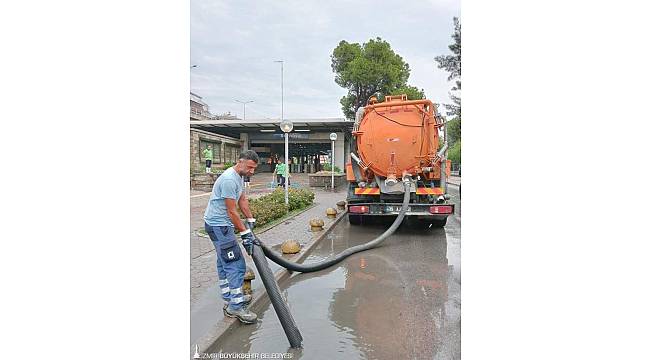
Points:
(245, 138)
(339, 151)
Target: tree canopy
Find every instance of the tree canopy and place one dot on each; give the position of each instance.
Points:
(370, 69)
(452, 64)
(453, 130)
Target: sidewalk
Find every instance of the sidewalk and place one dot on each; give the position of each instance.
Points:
(454, 180)
(205, 303)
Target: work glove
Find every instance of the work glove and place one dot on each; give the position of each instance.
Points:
(251, 223)
(247, 238)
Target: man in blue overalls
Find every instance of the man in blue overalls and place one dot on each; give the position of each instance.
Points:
(221, 219)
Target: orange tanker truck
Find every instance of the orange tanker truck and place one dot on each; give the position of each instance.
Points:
(390, 140)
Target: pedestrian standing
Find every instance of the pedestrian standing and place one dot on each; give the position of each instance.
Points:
(221, 221)
(207, 154)
(280, 172)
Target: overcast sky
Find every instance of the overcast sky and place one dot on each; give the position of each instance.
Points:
(234, 44)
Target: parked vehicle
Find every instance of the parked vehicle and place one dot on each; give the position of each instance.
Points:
(389, 140)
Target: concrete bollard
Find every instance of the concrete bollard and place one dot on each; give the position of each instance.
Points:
(341, 205)
(290, 247)
(316, 224)
(331, 213)
(249, 275)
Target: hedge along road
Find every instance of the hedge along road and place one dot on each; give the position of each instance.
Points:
(401, 300)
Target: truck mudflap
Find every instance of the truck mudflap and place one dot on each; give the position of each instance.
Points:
(439, 211)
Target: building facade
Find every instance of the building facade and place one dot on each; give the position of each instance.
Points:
(199, 110)
(224, 150)
(309, 143)
(310, 147)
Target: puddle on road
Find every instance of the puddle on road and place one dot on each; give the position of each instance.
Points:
(370, 306)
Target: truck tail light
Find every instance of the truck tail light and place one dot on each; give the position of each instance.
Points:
(358, 209)
(441, 209)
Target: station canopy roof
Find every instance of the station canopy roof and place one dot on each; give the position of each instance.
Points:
(235, 127)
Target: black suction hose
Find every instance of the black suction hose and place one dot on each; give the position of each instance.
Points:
(277, 258)
(281, 308)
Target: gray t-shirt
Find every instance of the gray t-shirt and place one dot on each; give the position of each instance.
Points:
(228, 186)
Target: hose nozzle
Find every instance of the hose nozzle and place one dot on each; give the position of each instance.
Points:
(391, 180)
(406, 178)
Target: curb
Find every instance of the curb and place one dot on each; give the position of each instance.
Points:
(227, 325)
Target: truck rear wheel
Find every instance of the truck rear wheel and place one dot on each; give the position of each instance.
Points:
(354, 219)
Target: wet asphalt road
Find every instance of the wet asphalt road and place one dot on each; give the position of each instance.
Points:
(401, 300)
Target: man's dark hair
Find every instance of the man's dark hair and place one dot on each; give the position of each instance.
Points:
(249, 155)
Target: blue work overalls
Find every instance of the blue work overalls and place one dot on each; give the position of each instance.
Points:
(231, 265)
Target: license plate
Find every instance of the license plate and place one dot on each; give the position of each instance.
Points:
(396, 208)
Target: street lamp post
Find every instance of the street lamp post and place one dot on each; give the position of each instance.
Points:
(286, 126)
(244, 102)
(333, 138)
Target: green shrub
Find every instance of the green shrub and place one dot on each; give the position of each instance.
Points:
(228, 164)
(267, 211)
(328, 167)
(300, 198)
(271, 206)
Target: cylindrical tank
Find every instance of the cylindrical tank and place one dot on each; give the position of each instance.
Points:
(397, 135)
